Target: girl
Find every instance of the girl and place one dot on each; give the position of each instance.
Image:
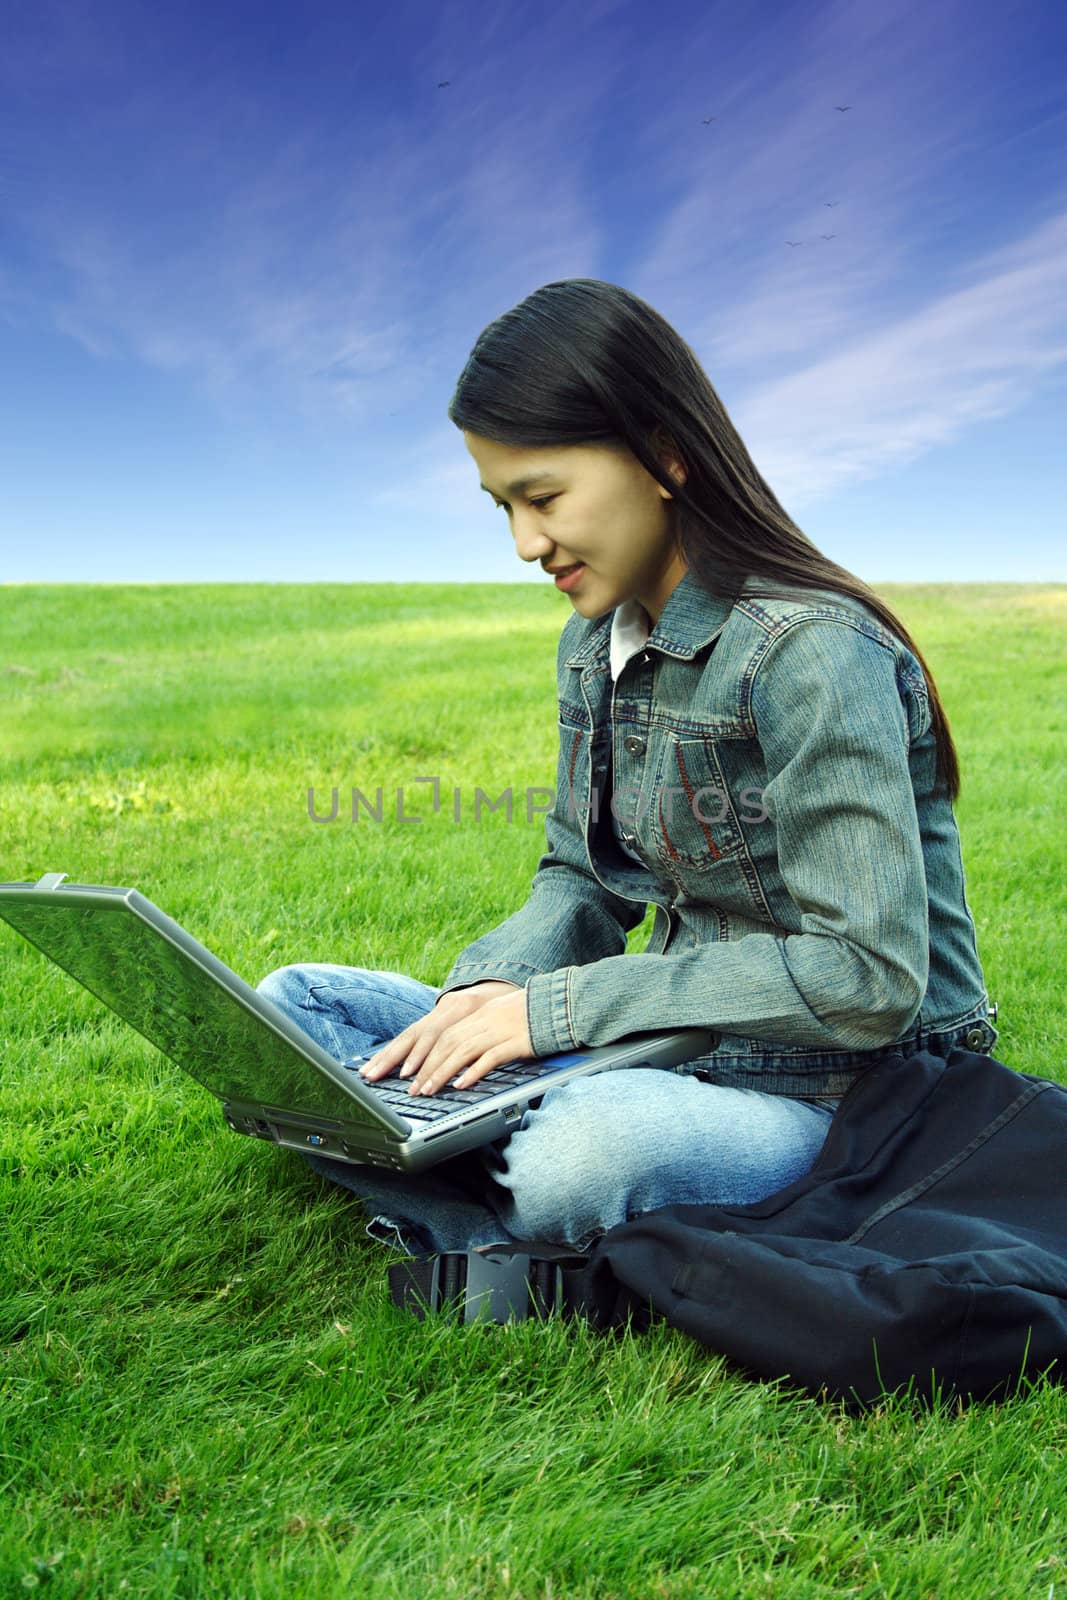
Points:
(750, 740)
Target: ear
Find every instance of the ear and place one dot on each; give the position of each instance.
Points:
(670, 458)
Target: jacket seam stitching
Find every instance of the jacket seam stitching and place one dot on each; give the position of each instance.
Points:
(786, 627)
(869, 625)
(479, 966)
(780, 947)
(572, 1038)
(957, 1022)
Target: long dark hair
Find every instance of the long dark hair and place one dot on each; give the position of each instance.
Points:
(580, 362)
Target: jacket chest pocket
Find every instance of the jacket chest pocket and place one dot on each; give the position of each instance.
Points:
(692, 821)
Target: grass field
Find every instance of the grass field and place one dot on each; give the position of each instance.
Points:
(204, 1388)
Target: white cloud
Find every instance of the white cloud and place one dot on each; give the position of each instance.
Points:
(342, 268)
(967, 355)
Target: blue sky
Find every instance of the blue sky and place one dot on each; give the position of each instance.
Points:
(245, 251)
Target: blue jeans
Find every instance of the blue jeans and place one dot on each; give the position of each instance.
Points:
(595, 1152)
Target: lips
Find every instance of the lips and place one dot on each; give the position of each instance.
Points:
(561, 572)
(569, 578)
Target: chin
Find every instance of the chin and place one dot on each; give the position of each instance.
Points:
(596, 597)
(590, 610)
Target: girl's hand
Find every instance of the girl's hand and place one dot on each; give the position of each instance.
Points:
(467, 1032)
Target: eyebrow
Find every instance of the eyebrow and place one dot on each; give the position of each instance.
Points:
(522, 484)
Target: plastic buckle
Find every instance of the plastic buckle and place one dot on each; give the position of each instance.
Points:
(499, 1289)
(478, 1286)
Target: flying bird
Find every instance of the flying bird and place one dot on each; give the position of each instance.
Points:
(831, 203)
(445, 84)
(829, 235)
(844, 108)
(794, 242)
(707, 120)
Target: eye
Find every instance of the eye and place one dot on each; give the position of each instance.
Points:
(544, 501)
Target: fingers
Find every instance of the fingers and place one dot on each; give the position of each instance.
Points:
(477, 1044)
(458, 1046)
(471, 1040)
(432, 1078)
(416, 1042)
(391, 1054)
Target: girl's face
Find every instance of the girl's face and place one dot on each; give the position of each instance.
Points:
(590, 505)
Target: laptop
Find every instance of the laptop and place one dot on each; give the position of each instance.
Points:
(274, 1081)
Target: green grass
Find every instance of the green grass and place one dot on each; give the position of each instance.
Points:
(205, 1389)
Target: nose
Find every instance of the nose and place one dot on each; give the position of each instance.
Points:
(532, 543)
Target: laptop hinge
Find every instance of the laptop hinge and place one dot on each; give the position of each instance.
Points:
(51, 880)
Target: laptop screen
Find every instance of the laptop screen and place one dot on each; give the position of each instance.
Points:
(163, 991)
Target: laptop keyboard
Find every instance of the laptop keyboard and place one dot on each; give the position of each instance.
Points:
(447, 1101)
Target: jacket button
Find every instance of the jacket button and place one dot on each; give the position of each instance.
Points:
(634, 745)
(974, 1039)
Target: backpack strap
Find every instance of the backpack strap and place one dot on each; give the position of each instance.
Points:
(497, 1285)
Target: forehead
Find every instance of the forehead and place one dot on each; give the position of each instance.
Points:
(507, 466)
(509, 469)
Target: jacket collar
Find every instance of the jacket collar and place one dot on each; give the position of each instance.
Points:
(689, 621)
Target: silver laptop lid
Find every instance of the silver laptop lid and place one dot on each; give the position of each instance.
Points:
(162, 981)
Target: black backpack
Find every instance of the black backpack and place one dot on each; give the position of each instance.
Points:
(925, 1250)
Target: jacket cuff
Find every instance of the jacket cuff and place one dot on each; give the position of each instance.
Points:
(464, 973)
(548, 1012)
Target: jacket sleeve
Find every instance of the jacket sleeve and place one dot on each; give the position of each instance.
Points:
(569, 917)
(834, 735)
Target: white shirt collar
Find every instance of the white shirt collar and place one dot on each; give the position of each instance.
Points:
(630, 628)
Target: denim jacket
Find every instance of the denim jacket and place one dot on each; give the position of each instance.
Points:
(772, 761)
